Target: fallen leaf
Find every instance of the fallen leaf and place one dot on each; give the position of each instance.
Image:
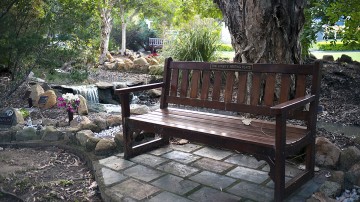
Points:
(246, 122)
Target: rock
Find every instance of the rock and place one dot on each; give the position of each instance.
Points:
(140, 62)
(26, 134)
(120, 66)
(100, 122)
(348, 157)
(114, 120)
(110, 57)
(320, 197)
(330, 189)
(106, 96)
(327, 153)
(328, 58)
(51, 134)
(104, 85)
(47, 100)
(139, 109)
(154, 93)
(131, 57)
(105, 147)
(10, 117)
(49, 122)
(36, 91)
(84, 123)
(119, 60)
(153, 61)
(345, 58)
(353, 175)
(119, 85)
(109, 65)
(337, 176)
(6, 136)
(83, 136)
(128, 64)
(119, 140)
(91, 143)
(83, 109)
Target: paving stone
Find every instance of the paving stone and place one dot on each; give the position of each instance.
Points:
(185, 147)
(143, 173)
(290, 170)
(178, 169)
(117, 197)
(134, 189)
(252, 191)
(213, 153)
(248, 174)
(167, 196)
(213, 180)
(207, 194)
(212, 165)
(271, 183)
(175, 184)
(116, 163)
(245, 160)
(181, 157)
(148, 159)
(160, 151)
(308, 189)
(111, 177)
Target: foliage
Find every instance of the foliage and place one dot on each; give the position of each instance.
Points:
(197, 41)
(25, 113)
(137, 36)
(225, 47)
(339, 46)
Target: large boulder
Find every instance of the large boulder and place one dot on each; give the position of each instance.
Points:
(109, 65)
(83, 109)
(52, 134)
(327, 153)
(36, 91)
(345, 58)
(328, 58)
(109, 57)
(47, 100)
(26, 134)
(141, 62)
(353, 175)
(83, 136)
(105, 147)
(120, 65)
(10, 117)
(348, 157)
(91, 143)
(330, 189)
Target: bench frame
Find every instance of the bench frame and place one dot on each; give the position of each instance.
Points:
(276, 154)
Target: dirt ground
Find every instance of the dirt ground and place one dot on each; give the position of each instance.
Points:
(56, 175)
(39, 174)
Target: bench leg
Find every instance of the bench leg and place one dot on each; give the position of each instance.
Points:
(279, 175)
(127, 137)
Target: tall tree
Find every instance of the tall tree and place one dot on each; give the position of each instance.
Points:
(264, 31)
(105, 7)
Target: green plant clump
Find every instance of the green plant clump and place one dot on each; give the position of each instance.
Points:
(225, 47)
(25, 113)
(332, 46)
(197, 41)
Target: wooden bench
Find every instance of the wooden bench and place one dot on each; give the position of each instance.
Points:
(257, 89)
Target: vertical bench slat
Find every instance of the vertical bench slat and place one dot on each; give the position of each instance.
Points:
(230, 77)
(184, 82)
(300, 86)
(174, 82)
(242, 87)
(269, 89)
(217, 86)
(195, 81)
(205, 85)
(255, 89)
(285, 87)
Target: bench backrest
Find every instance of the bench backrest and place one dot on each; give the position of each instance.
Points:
(238, 87)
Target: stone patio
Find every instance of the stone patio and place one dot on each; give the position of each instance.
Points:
(191, 172)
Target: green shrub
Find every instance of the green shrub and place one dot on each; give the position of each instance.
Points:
(225, 47)
(338, 46)
(25, 113)
(197, 41)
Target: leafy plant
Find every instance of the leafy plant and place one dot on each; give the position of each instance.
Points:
(338, 46)
(25, 113)
(197, 41)
(225, 47)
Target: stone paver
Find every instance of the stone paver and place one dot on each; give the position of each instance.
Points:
(252, 191)
(207, 194)
(290, 170)
(175, 184)
(111, 177)
(186, 147)
(178, 169)
(143, 173)
(160, 151)
(148, 159)
(214, 180)
(212, 165)
(245, 160)
(167, 196)
(181, 157)
(134, 189)
(213, 153)
(116, 163)
(248, 174)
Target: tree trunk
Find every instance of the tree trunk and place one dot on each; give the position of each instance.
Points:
(123, 38)
(264, 31)
(106, 25)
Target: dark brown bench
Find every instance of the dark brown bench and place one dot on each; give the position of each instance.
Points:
(275, 90)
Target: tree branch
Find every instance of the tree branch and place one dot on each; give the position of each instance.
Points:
(7, 9)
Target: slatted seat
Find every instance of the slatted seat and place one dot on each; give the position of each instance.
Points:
(256, 89)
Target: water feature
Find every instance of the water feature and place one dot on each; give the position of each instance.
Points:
(90, 92)
(349, 131)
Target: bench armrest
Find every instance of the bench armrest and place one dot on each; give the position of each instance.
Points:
(292, 104)
(139, 88)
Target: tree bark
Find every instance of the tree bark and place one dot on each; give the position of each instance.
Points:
(264, 31)
(106, 25)
(123, 38)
